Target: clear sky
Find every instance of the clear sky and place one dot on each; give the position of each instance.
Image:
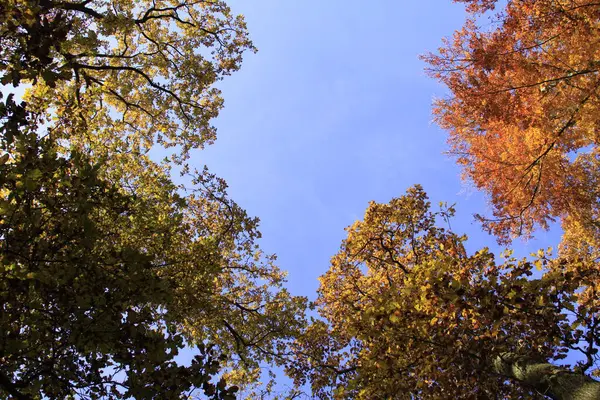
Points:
(332, 112)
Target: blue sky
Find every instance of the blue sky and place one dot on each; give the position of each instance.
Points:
(332, 112)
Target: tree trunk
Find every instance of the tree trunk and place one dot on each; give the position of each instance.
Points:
(549, 380)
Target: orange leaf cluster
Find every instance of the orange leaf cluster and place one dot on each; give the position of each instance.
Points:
(522, 114)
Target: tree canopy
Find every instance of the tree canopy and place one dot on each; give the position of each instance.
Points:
(522, 111)
(135, 73)
(108, 267)
(406, 312)
(78, 295)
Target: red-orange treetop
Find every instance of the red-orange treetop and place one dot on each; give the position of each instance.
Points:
(522, 111)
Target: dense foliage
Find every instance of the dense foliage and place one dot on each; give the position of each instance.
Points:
(522, 114)
(406, 312)
(135, 73)
(108, 267)
(78, 294)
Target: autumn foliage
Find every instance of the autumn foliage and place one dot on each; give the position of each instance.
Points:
(522, 111)
(406, 312)
(108, 268)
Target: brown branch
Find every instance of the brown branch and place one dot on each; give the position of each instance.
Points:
(529, 85)
(81, 7)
